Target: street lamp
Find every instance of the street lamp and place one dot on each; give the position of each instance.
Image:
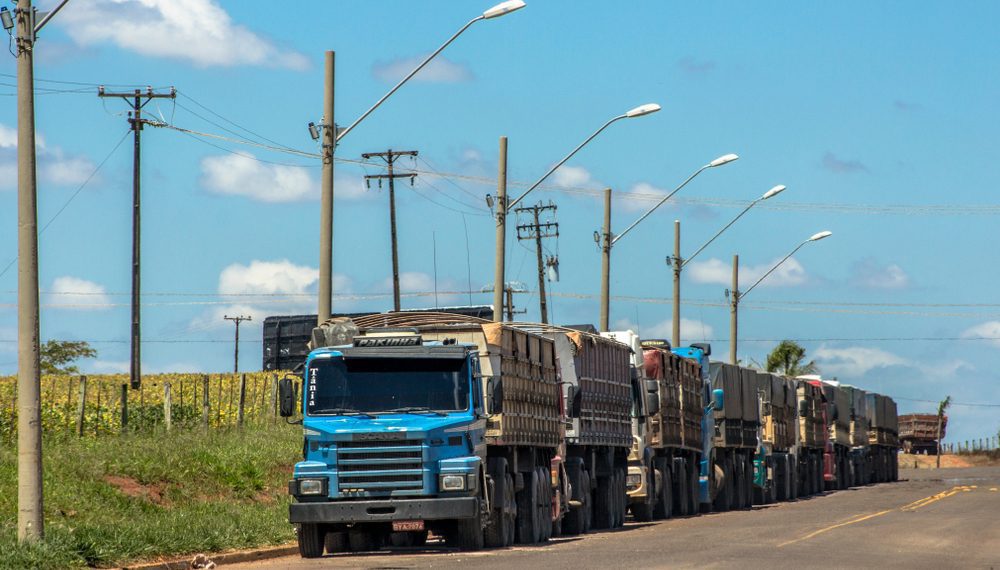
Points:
(735, 295)
(503, 207)
(332, 136)
(679, 263)
(609, 240)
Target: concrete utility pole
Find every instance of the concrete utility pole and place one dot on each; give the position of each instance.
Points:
(29, 419)
(390, 157)
(734, 306)
(326, 197)
(136, 99)
(606, 240)
(30, 516)
(501, 233)
(537, 231)
(236, 345)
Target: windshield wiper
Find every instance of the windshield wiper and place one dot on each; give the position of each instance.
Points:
(413, 410)
(341, 411)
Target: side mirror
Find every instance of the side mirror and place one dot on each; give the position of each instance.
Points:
(718, 399)
(572, 402)
(652, 403)
(835, 412)
(494, 395)
(803, 408)
(286, 398)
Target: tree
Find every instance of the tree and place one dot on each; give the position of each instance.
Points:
(942, 407)
(787, 357)
(57, 356)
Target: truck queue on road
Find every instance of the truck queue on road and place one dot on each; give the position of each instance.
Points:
(490, 434)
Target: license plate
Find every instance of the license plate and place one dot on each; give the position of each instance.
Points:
(407, 526)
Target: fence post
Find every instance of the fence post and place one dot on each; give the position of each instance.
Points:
(166, 404)
(243, 399)
(81, 406)
(124, 400)
(274, 398)
(204, 401)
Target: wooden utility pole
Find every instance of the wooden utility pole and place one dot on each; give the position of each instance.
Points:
(136, 99)
(236, 345)
(734, 309)
(501, 233)
(606, 240)
(537, 231)
(329, 134)
(390, 157)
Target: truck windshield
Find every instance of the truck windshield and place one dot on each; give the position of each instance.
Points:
(380, 385)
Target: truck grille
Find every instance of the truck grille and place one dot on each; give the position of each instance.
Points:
(380, 466)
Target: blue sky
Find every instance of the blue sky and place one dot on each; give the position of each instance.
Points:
(878, 117)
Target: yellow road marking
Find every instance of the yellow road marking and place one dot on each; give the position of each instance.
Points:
(918, 504)
(829, 528)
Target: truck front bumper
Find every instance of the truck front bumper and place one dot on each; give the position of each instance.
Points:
(384, 510)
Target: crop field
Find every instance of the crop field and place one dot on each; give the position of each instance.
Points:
(96, 405)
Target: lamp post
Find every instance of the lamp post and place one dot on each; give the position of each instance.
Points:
(503, 207)
(735, 295)
(608, 240)
(679, 263)
(332, 135)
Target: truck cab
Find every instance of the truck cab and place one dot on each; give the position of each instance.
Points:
(699, 352)
(394, 444)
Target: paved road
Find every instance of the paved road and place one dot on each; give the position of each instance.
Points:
(933, 519)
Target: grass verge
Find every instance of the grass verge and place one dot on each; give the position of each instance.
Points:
(119, 499)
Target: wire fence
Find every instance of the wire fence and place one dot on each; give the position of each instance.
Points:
(972, 445)
(101, 405)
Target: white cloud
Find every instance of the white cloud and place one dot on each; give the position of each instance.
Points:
(869, 274)
(107, 367)
(268, 277)
(199, 31)
(439, 70)
(74, 293)
(54, 165)
(691, 330)
(989, 329)
(649, 195)
(572, 177)
(788, 274)
(410, 282)
(243, 175)
(855, 361)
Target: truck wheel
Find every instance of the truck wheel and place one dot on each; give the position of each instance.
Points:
(694, 489)
(793, 478)
(468, 534)
(664, 506)
(310, 540)
(335, 542)
(723, 496)
(576, 517)
(741, 484)
(604, 507)
(527, 510)
(500, 531)
(588, 516)
(681, 477)
(544, 505)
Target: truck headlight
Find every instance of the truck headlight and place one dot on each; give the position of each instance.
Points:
(311, 486)
(633, 480)
(452, 482)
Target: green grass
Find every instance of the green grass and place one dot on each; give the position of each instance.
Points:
(191, 492)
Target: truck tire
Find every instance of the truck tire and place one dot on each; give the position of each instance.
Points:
(741, 483)
(663, 507)
(544, 505)
(681, 502)
(604, 507)
(310, 537)
(468, 533)
(724, 496)
(527, 510)
(362, 541)
(500, 531)
(643, 512)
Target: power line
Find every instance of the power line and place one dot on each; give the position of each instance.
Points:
(953, 403)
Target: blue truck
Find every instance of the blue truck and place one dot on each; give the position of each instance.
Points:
(451, 428)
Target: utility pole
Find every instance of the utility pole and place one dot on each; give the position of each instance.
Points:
(236, 345)
(136, 99)
(30, 516)
(29, 420)
(390, 157)
(734, 306)
(509, 290)
(605, 241)
(326, 197)
(537, 231)
(501, 232)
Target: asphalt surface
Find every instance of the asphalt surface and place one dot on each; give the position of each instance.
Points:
(948, 518)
